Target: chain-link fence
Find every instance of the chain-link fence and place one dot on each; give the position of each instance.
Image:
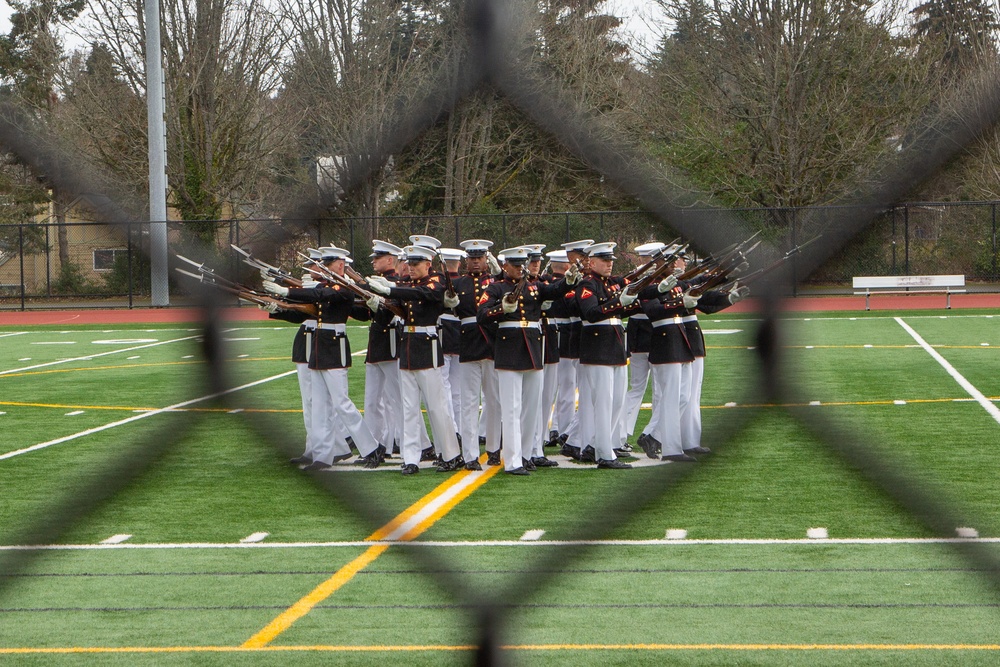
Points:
(106, 264)
(868, 235)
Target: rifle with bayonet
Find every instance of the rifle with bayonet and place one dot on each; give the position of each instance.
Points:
(725, 258)
(638, 271)
(659, 274)
(330, 276)
(755, 275)
(207, 276)
(273, 272)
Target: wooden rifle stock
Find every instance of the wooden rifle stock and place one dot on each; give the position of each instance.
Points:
(325, 273)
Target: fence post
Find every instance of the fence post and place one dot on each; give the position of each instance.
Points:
(895, 210)
(993, 255)
(568, 239)
(795, 257)
(20, 247)
(128, 254)
(906, 240)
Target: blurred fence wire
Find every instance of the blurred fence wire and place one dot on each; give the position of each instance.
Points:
(869, 234)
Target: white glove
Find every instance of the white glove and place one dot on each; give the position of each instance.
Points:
(509, 306)
(265, 275)
(373, 302)
(573, 275)
(740, 269)
(379, 284)
(691, 301)
(546, 305)
(627, 298)
(738, 294)
(269, 307)
(450, 299)
(275, 288)
(309, 284)
(666, 284)
(492, 262)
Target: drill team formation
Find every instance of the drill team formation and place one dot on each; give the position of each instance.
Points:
(505, 356)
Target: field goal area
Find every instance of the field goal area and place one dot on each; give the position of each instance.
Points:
(773, 550)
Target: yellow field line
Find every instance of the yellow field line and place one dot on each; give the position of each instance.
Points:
(509, 647)
(132, 408)
(346, 573)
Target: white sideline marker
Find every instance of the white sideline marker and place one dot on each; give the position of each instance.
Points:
(815, 403)
(253, 538)
(730, 405)
(985, 344)
(74, 413)
(676, 534)
(25, 359)
(242, 356)
(966, 532)
(131, 358)
(531, 535)
(188, 356)
(869, 345)
(117, 539)
(817, 533)
(234, 412)
(898, 402)
(3, 413)
(986, 403)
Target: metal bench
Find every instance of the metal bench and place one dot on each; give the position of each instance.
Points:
(947, 285)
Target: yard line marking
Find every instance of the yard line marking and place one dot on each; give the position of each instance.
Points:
(360, 352)
(94, 356)
(423, 648)
(74, 413)
(54, 342)
(143, 415)
(532, 534)
(668, 542)
(408, 525)
(117, 539)
(254, 537)
(987, 405)
(13, 333)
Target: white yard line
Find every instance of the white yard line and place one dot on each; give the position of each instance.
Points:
(142, 415)
(986, 403)
(94, 356)
(14, 333)
(864, 541)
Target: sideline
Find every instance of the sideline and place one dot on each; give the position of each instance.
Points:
(128, 420)
(959, 378)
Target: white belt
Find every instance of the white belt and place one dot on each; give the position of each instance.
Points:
(639, 316)
(677, 319)
(574, 320)
(468, 320)
(310, 324)
(520, 325)
(339, 328)
(609, 321)
(430, 331)
(559, 320)
(450, 317)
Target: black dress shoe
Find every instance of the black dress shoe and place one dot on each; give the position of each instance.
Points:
(300, 460)
(588, 455)
(622, 452)
(317, 465)
(649, 445)
(473, 465)
(376, 458)
(395, 447)
(482, 441)
(350, 443)
(613, 464)
(679, 458)
(518, 471)
(698, 450)
(527, 464)
(553, 436)
(409, 469)
(570, 451)
(448, 466)
(341, 457)
(543, 462)
(428, 454)
(627, 448)
(493, 458)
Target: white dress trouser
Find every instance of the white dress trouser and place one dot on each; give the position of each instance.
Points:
(330, 397)
(451, 377)
(691, 416)
(672, 383)
(606, 390)
(382, 400)
(478, 378)
(340, 446)
(426, 384)
(581, 429)
(520, 393)
(566, 395)
(550, 384)
(638, 365)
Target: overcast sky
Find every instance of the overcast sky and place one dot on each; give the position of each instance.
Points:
(638, 15)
